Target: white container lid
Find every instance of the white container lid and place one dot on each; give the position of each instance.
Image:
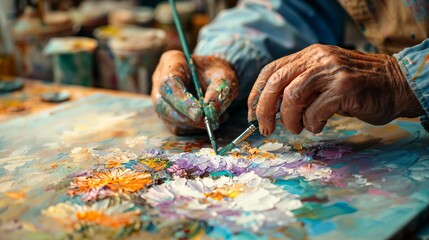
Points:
(134, 40)
(69, 45)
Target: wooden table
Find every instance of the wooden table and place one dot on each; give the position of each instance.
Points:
(27, 100)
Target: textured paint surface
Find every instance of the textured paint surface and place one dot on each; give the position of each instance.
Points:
(105, 167)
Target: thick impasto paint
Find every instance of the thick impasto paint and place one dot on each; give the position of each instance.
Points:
(105, 167)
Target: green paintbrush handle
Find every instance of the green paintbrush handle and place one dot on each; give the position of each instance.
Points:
(186, 51)
(194, 75)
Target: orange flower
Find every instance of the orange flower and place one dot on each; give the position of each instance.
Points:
(74, 216)
(117, 180)
(99, 218)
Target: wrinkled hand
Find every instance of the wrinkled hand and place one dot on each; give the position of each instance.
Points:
(173, 102)
(312, 85)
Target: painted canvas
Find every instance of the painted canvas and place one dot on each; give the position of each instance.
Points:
(104, 167)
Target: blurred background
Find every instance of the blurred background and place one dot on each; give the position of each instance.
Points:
(95, 43)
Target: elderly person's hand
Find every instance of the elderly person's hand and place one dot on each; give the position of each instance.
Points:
(172, 86)
(312, 85)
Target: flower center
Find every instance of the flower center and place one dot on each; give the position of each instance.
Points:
(225, 191)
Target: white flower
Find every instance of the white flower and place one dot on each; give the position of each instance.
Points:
(244, 202)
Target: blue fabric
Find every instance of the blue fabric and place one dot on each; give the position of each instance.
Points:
(414, 64)
(257, 32)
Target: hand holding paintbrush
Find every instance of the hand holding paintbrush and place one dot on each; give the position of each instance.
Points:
(181, 111)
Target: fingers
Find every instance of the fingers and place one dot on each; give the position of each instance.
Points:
(262, 81)
(259, 86)
(266, 108)
(175, 93)
(219, 83)
(169, 114)
(176, 105)
(218, 97)
(300, 94)
(320, 110)
(170, 79)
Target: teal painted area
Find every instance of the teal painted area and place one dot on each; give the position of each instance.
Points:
(300, 187)
(220, 174)
(359, 227)
(317, 227)
(219, 233)
(316, 211)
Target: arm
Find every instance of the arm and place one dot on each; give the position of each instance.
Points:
(255, 33)
(413, 62)
(232, 51)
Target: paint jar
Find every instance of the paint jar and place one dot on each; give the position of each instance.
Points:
(140, 16)
(136, 51)
(72, 59)
(8, 65)
(30, 35)
(106, 71)
(164, 20)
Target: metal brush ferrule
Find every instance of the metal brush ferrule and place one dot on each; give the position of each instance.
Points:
(209, 128)
(251, 129)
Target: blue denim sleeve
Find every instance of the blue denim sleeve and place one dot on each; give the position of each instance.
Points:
(257, 32)
(414, 64)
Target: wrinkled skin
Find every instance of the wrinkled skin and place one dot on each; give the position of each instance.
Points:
(312, 85)
(176, 106)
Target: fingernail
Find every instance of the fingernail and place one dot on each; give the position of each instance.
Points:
(262, 131)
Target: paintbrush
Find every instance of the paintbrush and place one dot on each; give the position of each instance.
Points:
(243, 136)
(194, 75)
(253, 126)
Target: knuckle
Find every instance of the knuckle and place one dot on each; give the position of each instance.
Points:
(291, 97)
(317, 46)
(333, 59)
(276, 79)
(267, 69)
(344, 81)
(260, 111)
